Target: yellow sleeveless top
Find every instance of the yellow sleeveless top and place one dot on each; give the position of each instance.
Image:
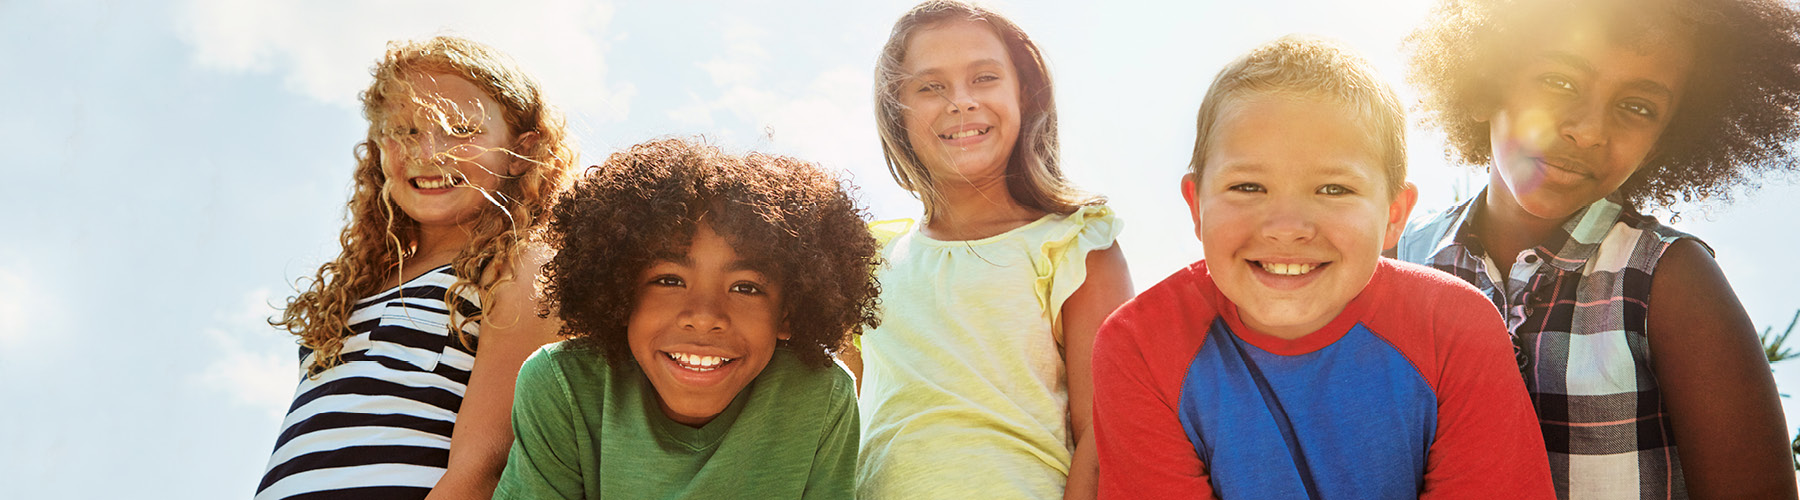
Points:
(965, 392)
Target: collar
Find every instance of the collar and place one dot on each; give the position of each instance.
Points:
(1568, 249)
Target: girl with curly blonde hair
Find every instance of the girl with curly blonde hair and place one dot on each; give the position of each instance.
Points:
(462, 158)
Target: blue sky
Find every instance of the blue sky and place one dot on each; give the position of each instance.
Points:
(173, 167)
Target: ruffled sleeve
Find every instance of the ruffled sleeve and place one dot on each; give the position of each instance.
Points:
(886, 230)
(1062, 265)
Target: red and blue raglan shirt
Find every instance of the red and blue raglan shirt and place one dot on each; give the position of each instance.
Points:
(1410, 392)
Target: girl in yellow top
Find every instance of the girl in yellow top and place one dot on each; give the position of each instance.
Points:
(976, 384)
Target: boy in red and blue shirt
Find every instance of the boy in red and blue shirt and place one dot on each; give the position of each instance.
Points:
(1294, 361)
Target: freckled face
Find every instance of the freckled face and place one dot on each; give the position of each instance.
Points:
(442, 145)
(962, 100)
(1292, 209)
(703, 327)
(1580, 117)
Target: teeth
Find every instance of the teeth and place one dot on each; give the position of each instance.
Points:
(1288, 269)
(435, 182)
(697, 362)
(966, 133)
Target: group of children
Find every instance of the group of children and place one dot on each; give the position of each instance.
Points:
(731, 326)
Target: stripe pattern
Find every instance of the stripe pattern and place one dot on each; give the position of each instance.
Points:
(1576, 307)
(378, 425)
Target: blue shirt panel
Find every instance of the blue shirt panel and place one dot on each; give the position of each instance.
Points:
(1360, 418)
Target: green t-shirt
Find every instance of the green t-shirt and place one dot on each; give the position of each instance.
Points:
(585, 429)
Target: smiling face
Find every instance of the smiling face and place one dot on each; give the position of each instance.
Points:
(1292, 209)
(441, 146)
(1580, 116)
(703, 326)
(961, 100)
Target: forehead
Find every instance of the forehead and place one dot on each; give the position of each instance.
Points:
(440, 92)
(1285, 134)
(1634, 46)
(954, 44)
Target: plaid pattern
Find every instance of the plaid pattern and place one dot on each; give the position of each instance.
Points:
(1576, 308)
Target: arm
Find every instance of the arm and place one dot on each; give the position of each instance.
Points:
(1715, 381)
(545, 460)
(510, 331)
(1143, 451)
(1108, 284)
(834, 464)
(1488, 443)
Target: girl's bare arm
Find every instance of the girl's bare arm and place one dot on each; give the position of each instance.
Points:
(1108, 285)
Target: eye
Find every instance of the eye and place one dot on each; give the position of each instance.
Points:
(463, 130)
(987, 78)
(1246, 187)
(1639, 108)
(1335, 190)
(1557, 82)
(668, 280)
(931, 87)
(747, 288)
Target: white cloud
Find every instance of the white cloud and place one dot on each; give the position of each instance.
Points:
(324, 49)
(254, 362)
(829, 120)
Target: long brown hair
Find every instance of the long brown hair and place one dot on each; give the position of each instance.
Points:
(1034, 175)
(379, 236)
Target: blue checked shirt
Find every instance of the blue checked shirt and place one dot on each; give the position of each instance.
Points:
(1576, 309)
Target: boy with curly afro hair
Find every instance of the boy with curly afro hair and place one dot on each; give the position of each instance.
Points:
(1646, 373)
(705, 295)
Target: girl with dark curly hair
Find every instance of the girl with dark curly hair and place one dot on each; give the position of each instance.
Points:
(991, 302)
(462, 158)
(1646, 372)
(705, 295)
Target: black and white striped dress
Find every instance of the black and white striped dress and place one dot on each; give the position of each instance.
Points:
(378, 425)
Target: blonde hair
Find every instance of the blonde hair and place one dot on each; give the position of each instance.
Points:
(1314, 67)
(379, 237)
(1033, 171)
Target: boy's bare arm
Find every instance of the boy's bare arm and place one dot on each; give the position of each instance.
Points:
(1715, 382)
(510, 331)
(1108, 284)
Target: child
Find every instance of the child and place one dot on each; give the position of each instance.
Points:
(1293, 361)
(1630, 340)
(461, 160)
(706, 294)
(990, 304)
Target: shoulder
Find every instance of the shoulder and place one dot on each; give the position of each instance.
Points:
(1182, 302)
(564, 363)
(1408, 286)
(1429, 231)
(787, 377)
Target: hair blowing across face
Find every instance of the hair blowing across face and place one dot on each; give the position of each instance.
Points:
(379, 236)
(788, 219)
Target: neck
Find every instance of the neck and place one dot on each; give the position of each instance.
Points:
(436, 246)
(1506, 229)
(976, 209)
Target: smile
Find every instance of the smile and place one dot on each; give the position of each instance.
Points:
(965, 133)
(438, 182)
(697, 362)
(1288, 269)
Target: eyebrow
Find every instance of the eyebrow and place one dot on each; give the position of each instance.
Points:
(989, 61)
(1642, 85)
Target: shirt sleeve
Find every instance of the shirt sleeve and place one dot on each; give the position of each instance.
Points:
(1488, 443)
(834, 465)
(543, 462)
(1144, 453)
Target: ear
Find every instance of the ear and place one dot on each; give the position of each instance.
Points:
(1190, 191)
(1398, 211)
(784, 335)
(524, 142)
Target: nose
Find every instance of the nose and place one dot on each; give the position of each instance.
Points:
(1583, 123)
(704, 312)
(961, 102)
(1288, 222)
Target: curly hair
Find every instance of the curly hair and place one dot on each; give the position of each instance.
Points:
(1312, 67)
(379, 237)
(790, 219)
(1737, 119)
(1034, 175)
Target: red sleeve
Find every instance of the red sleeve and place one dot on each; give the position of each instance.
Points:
(1140, 359)
(1488, 442)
